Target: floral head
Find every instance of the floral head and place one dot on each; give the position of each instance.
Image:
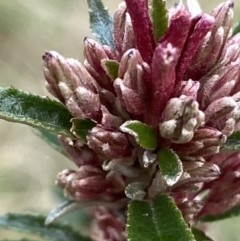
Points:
(152, 93)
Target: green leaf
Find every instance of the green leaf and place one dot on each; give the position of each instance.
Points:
(144, 135)
(81, 127)
(22, 239)
(200, 235)
(236, 28)
(170, 165)
(35, 224)
(50, 138)
(112, 67)
(37, 111)
(235, 211)
(100, 22)
(158, 220)
(159, 16)
(233, 142)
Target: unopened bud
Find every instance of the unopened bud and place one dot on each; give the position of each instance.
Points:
(123, 32)
(181, 117)
(129, 98)
(110, 144)
(94, 53)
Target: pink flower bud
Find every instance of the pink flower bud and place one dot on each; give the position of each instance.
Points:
(109, 144)
(142, 27)
(123, 32)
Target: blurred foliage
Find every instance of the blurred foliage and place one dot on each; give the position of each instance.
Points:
(28, 166)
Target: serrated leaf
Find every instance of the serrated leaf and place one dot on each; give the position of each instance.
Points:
(159, 219)
(236, 28)
(37, 111)
(233, 142)
(234, 212)
(170, 165)
(35, 224)
(101, 22)
(112, 67)
(144, 135)
(50, 138)
(81, 127)
(159, 16)
(200, 235)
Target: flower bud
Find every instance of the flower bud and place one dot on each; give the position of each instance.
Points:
(142, 27)
(218, 85)
(202, 25)
(94, 54)
(163, 81)
(85, 184)
(81, 155)
(188, 88)
(180, 118)
(232, 54)
(211, 49)
(88, 102)
(129, 98)
(206, 141)
(108, 225)
(123, 31)
(109, 144)
(109, 120)
(218, 109)
(132, 70)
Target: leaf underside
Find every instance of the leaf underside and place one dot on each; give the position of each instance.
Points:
(34, 224)
(100, 22)
(51, 138)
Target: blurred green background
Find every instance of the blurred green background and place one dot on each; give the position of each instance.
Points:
(27, 165)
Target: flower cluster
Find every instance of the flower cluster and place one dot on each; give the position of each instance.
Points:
(184, 85)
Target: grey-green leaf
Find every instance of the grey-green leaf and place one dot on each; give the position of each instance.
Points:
(50, 138)
(35, 224)
(200, 235)
(233, 142)
(101, 22)
(144, 135)
(37, 111)
(159, 16)
(156, 220)
(61, 210)
(170, 165)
